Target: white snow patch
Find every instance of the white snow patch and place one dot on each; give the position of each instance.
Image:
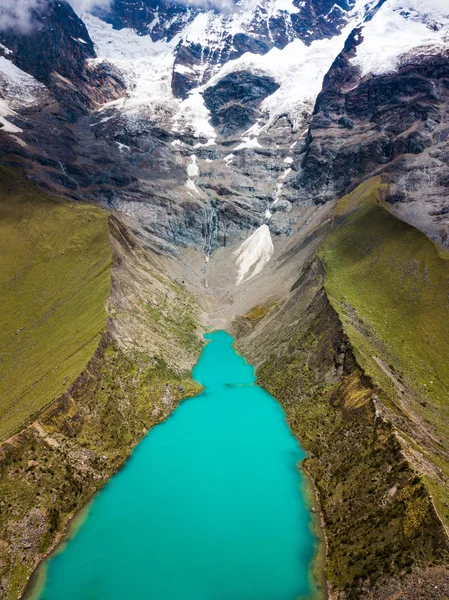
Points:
(191, 185)
(280, 185)
(192, 168)
(9, 127)
(155, 21)
(399, 27)
(182, 69)
(210, 142)
(209, 28)
(285, 5)
(255, 252)
(19, 140)
(192, 171)
(288, 160)
(122, 147)
(79, 40)
(6, 50)
(285, 173)
(248, 142)
(4, 108)
(103, 120)
(193, 115)
(228, 159)
(268, 215)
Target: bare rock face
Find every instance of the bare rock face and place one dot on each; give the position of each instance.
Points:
(234, 100)
(58, 42)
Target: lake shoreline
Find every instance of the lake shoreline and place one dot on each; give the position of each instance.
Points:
(30, 591)
(244, 486)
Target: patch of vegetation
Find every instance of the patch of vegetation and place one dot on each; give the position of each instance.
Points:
(54, 280)
(151, 310)
(177, 322)
(259, 312)
(390, 286)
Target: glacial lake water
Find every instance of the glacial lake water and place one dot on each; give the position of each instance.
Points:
(210, 506)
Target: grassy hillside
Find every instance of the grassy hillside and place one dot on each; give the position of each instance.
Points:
(390, 285)
(54, 280)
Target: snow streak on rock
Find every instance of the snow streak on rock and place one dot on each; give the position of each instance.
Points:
(193, 115)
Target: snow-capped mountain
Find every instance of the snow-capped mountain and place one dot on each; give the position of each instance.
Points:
(383, 111)
(201, 124)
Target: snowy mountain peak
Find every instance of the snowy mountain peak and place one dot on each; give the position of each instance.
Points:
(400, 27)
(178, 108)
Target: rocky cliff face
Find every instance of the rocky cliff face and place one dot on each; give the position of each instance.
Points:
(392, 122)
(57, 42)
(196, 122)
(199, 110)
(55, 51)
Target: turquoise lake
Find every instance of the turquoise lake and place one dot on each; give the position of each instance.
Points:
(210, 506)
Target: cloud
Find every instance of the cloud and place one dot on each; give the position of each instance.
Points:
(21, 15)
(80, 6)
(221, 5)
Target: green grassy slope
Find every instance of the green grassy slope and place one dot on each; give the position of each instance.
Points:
(390, 285)
(54, 280)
